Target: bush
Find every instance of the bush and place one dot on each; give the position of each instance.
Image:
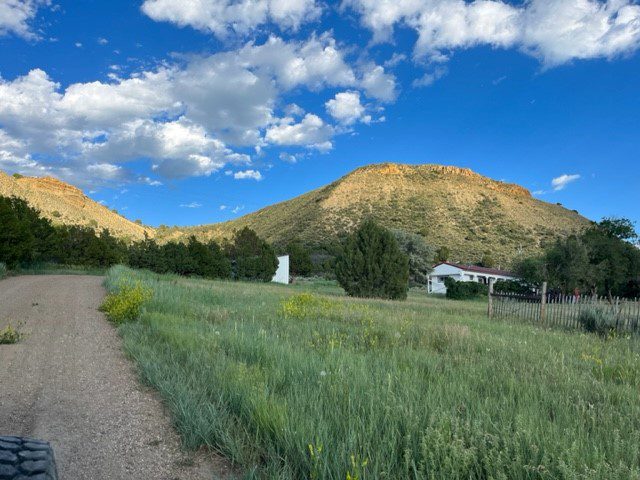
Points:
(511, 286)
(372, 264)
(302, 306)
(9, 335)
(599, 320)
(3, 270)
(126, 304)
(465, 290)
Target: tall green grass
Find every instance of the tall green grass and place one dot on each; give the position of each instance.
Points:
(291, 385)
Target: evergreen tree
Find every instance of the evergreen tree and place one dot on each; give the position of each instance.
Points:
(443, 254)
(207, 259)
(372, 265)
(299, 259)
(252, 258)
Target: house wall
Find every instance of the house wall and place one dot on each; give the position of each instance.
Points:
(282, 273)
(437, 276)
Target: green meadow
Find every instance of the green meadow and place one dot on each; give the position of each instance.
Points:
(302, 382)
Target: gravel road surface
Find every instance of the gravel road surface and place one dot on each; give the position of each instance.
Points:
(68, 382)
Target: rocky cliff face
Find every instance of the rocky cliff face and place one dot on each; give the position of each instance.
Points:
(65, 204)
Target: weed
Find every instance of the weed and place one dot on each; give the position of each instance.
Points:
(126, 304)
(9, 335)
(598, 319)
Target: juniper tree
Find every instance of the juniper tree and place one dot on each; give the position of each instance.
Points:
(371, 264)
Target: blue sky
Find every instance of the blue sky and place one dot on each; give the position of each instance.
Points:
(201, 111)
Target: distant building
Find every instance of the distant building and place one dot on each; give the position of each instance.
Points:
(282, 274)
(464, 273)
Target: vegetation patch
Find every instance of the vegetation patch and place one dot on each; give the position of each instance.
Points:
(9, 335)
(290, 384)
(3, 270)
(127, 302)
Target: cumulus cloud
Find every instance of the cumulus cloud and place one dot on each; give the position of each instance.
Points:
(223, 17)
(248, 174)
(559, 183)
(554, 31)
(189, 118)
(15, 16)
(311, 132)
(346, 108)
(378, 83)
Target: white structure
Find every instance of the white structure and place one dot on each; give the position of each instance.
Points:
(463, 273)
(282, 274)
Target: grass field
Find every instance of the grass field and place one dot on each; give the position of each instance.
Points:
(292, 385)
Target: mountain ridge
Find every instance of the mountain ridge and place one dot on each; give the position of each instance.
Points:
(473, 215)
(450, 206)
(66, 204)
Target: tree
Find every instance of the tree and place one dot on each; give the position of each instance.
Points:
(420, 254)
(567, 265)
(252, 258)
(300, 263)
(487, 260)
(600, 260)
(443, 254)
(208, 260)
(531, 270)
(621, 228)
(371, 264)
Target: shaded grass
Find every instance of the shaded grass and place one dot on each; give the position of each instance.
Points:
(426, 388)
(55, 269)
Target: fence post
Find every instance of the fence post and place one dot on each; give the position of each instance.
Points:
(543, 302)
(490, 309)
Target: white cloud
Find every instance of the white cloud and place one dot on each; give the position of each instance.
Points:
(105, 171)
(559, 183)
(378, 83)
(186, 119)
(191, 205)
(223, 17)
(429, 78)
(102, 41)
(311, 131)
(290, 157)
(223, 207)
(293, 110)
(237, 209)
(346, 108)
(15, 16)
(248, 174)
(554, 31)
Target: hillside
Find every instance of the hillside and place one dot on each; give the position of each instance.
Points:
(65, 204)
(449, 206)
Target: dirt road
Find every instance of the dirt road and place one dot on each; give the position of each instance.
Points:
(68, 382)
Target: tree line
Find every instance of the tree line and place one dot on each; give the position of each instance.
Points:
(602, 260)
(27, 239)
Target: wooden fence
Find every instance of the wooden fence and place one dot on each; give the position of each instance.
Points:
(564, 310)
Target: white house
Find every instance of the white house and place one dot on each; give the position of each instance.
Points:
(463, 273)
(282, 273)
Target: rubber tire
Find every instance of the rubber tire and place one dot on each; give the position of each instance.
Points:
(26, 459)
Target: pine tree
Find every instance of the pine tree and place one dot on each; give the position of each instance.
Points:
(372, 265)
(299, 258)
(252, 257)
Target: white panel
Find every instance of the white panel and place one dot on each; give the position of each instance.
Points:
(282, 274)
